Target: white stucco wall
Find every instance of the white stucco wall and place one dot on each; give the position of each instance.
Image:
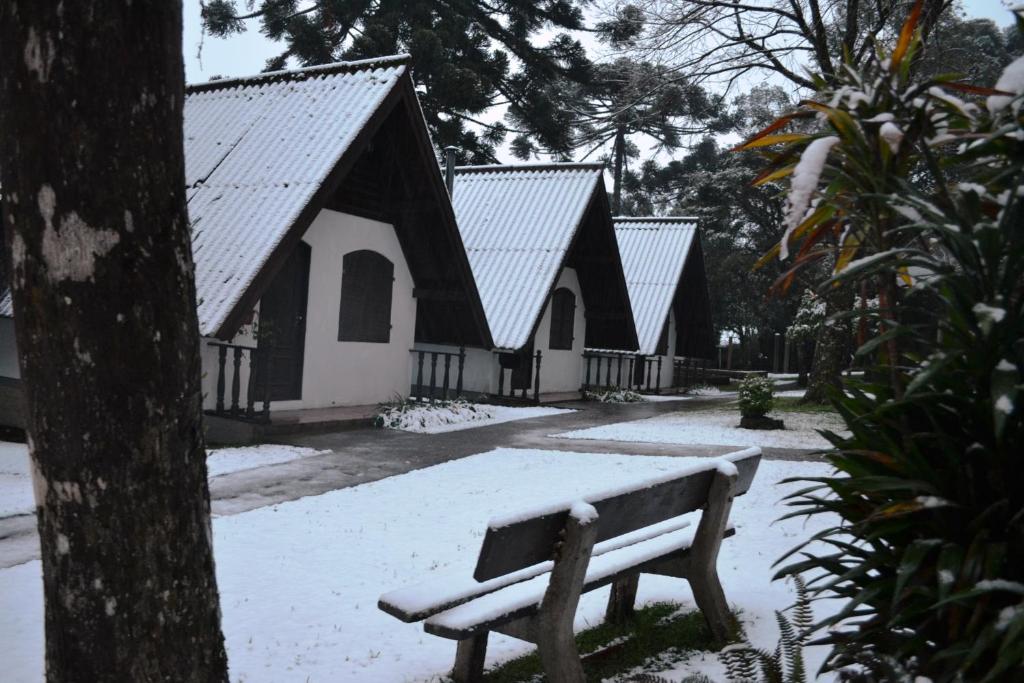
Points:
(562, 370)
(343, 373)
(559, 370)
(8, 349)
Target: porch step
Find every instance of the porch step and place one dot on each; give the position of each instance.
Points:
(226, 430)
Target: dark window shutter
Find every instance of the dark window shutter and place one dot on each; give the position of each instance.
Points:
(367, 280)
(563, 311)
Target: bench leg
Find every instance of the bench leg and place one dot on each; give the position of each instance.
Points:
(622, 599)
(556, 643)
(703, 572)
(469, 659)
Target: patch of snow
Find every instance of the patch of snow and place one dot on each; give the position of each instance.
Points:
(662, 398)
(1011, 81)
(17, 497)
(456, 416)
(803, 184)
(719, 427)
(583, 512)
(892, 135)
(299, 581)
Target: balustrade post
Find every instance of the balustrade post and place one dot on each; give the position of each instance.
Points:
(536, 380)
(632, 377)
(647, 369)
(586, 383)
(266, 386)
(462, 364)
(433, 374)
(501, 380)
(250, 386)
(419, 377)
(447, 371)
(235, 380)
(608, 374)
(222, 357)
(618, 373)
(657, 381)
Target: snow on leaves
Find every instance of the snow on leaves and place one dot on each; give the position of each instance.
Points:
(804, 182)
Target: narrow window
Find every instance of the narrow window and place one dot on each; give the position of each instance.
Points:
(366, 281)
(563, 312)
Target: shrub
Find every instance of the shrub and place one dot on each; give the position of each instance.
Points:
(613, 396)
(928, 555)
(757, 396)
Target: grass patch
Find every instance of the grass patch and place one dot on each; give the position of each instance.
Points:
(658, 635)
(792, 404)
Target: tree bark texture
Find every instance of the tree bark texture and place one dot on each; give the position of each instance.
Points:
(832, 349)
(91, 102)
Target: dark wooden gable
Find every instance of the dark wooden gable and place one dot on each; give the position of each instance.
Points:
(396, 180)
(595, 256)
(694, 331)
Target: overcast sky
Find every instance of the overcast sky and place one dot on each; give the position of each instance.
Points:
(245, 54)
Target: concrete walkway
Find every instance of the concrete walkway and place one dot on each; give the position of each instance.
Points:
(363, 455)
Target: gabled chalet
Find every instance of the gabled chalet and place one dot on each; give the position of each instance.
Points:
(542, 249)
(324, 240)
(664, 265)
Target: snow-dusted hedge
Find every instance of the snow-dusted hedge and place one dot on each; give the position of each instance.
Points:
(417, 415)
(614, 396)
(757, 396)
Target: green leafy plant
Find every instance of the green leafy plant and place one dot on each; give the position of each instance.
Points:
(747, 664)
(927, 555)
(756, 396)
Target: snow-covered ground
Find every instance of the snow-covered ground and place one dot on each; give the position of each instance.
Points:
(299, 581)
(716, 427)
(455, 416)
(16, 496)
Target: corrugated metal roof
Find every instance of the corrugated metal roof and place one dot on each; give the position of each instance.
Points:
(6, 305)
(517, 223)
(653, 252)
(256, 150)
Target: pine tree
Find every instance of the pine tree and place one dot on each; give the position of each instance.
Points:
(469, 56)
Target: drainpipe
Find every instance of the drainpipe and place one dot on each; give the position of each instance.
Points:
(449, 168)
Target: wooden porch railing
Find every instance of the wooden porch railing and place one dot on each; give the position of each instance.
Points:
(258, 364)
(687, 372)
(449, 358)
(610, 370)
(524, 391)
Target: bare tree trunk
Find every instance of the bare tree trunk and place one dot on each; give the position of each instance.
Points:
(620, 153)
(832, 347)
(91, 97)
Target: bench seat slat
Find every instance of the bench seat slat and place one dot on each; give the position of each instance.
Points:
(520, 599)
(415, 603)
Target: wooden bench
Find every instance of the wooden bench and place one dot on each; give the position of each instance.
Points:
(534, 566)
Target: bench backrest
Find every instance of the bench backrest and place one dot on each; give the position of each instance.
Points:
(514, 543)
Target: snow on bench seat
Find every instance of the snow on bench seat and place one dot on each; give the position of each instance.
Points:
(523, 597)
(414, 603)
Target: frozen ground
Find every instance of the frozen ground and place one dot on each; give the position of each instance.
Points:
(299, 581)
(16, 480)
(454, 417)
(716, 427)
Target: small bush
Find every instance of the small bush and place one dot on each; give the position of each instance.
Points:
(613, 396)
(412, 415)
(757, 396)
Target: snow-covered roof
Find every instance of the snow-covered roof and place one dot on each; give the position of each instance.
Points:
(517, 223)
(653, 252)
(256, 151)
(6, 305)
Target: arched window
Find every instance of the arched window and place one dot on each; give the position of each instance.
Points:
(563, 312)
(366, 281)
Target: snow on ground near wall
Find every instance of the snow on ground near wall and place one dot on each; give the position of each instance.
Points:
(716, 428)
(426, 420)
(660, 398)
(300, 581)
(16, 496)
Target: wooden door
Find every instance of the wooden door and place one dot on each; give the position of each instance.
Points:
(282, 327)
